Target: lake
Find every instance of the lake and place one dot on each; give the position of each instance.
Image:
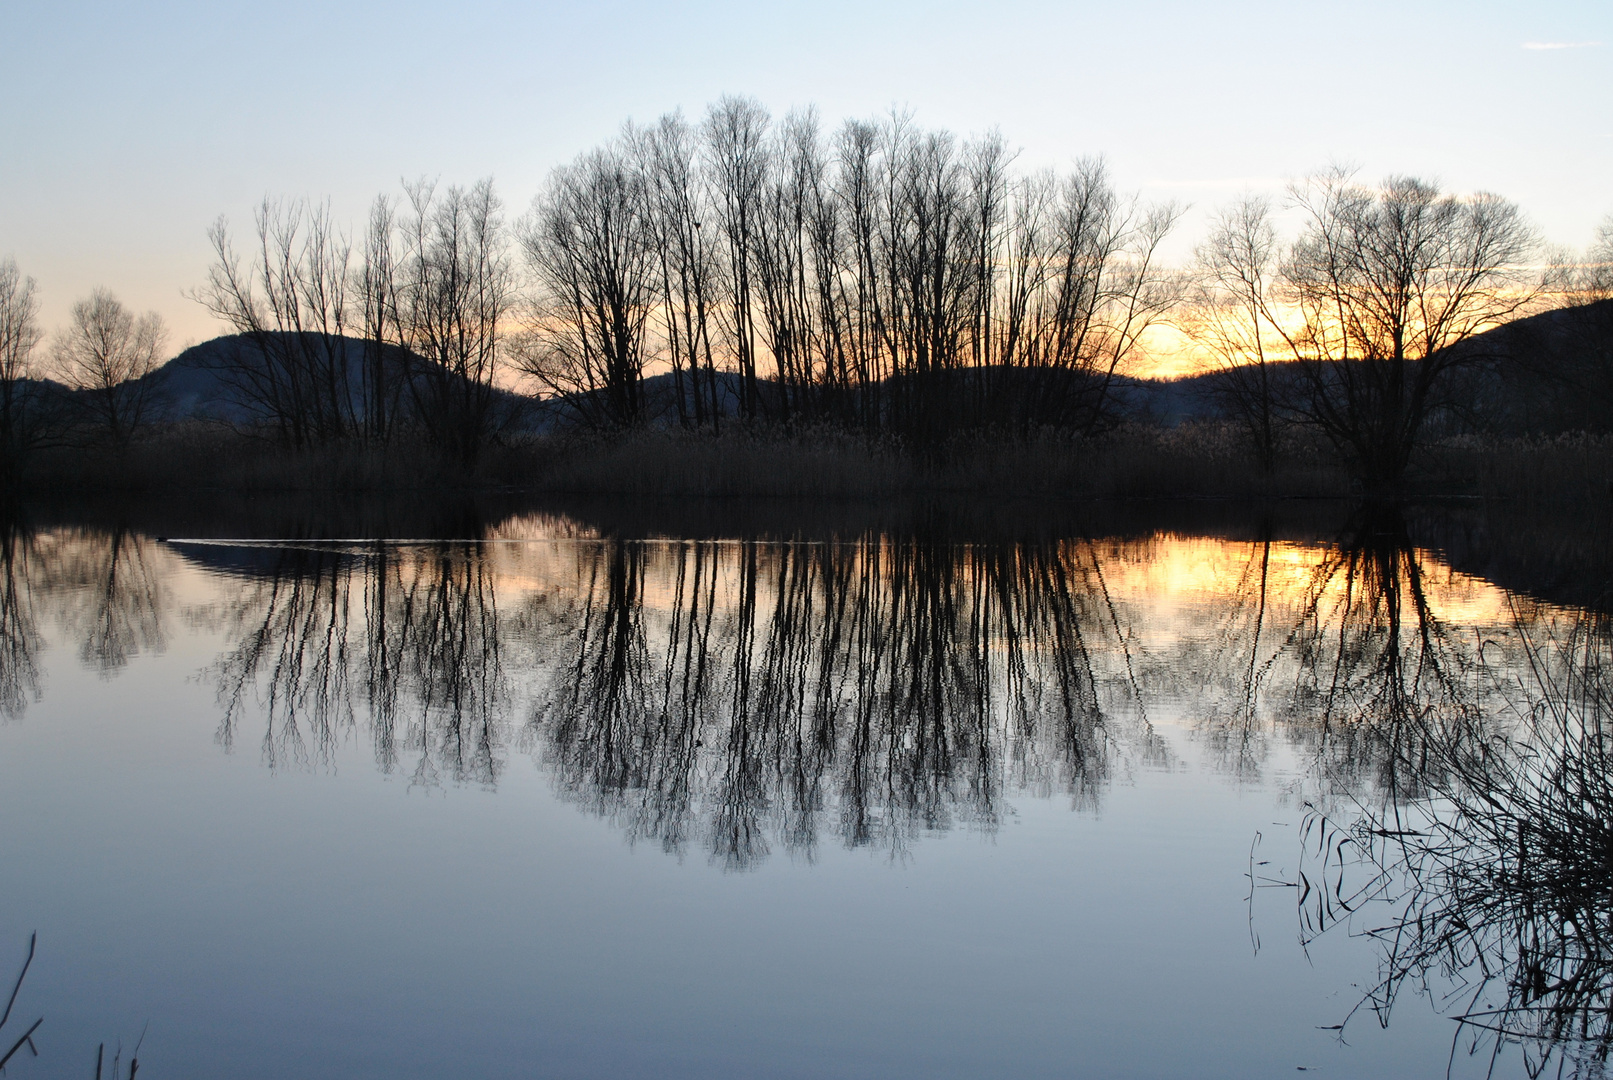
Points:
(602, 790)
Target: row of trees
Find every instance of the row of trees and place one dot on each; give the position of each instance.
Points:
(886, 277)
(883, 276)
(879, 276)
(408, 330)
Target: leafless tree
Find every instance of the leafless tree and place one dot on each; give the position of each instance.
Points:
(109, 355)
(387, 365)
(858, 181)
(1100, 291)
(19, 334)
(456, 293)
(929, 271)
(1556, 370)
(1598, 279)
(735, 144)
(1232, 317)
(1370, 308)
(677, 216)
(891, 277)
(786, 271)
(290, 301)
(591, 252)
(1385, 283)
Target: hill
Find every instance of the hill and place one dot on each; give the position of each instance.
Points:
(204, 382)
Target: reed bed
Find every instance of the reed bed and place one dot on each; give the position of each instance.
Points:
(1204, 459)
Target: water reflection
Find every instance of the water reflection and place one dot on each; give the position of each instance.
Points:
(1494, 891)
(19, 635)
(738, 695)
(329, 641)
(109, 595)
(102, 587)
(1350, 658)
(730, 697)
(736, 700)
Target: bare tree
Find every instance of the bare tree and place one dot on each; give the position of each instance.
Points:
(108, 354)
(1386, 282)
(290, 301)
(856, 187)
(784, 253)
(735, 144)
(926, 251)
(456, 293)
(19, 334)
(589, 247)
(893, 277)
(1556, 370)
(386, 358)
(1232, 318)
(677, 213)
(1598, 278)
(1102, 289)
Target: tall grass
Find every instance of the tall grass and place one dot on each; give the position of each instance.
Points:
(1205, 459)
(1138, 460)
(1572, 467)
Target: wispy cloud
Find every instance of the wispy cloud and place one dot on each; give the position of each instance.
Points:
(1561, 44)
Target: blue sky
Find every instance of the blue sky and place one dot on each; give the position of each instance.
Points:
(127, 128)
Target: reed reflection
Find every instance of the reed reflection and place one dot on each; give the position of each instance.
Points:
(1498, 884)
(744, 695)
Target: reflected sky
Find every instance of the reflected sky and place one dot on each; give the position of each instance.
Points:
(882, 803)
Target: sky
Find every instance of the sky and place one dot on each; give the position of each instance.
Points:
(127, 128)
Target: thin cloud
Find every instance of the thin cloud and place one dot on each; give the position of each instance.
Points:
(1561, 44)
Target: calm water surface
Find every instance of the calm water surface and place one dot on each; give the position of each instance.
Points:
(544, 801)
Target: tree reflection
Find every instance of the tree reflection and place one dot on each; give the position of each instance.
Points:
(101, 587)
(109, 595)
(731, 697)
(413, 637)
(1354, 668)
(758, 693)
(1378, 669)
(19, 634)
